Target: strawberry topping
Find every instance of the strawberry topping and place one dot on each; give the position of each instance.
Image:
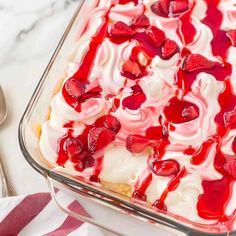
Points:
(136, 143)
(157, 35)
(75, 88)
(195, 62)
(99, 138)
(234, 145)
(169, 48)
(232, 36)
(160, 8)
(165, 168)
(121, 30)
(178, 6)
(131, 67)
(74, 147)
(141, 21)
(230, 168)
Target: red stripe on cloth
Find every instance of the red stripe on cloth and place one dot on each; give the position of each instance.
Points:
(23, 213)
(70, 224)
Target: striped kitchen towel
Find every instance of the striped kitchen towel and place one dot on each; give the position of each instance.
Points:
(37, 215)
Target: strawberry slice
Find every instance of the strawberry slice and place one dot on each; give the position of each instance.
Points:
(131, 67)
(165, 168)
(75, 88)
(178, 6)
(121, 30)
(190, 113)
(234, 145)
(74, 147)
(161, 8)
(141, 21)
(112, 123)
(170, 47)
(230, 168)
(157, 35)
(193, 62)
(99, 138)
(232, 36)
(136, 143)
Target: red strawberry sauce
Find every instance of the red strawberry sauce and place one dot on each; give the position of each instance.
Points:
(211, 204)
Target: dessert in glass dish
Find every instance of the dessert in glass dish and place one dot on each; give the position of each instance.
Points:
(148, 106)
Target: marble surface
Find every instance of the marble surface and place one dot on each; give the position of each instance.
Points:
(29, 33)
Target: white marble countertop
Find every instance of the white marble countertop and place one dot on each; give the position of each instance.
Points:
(29, 33)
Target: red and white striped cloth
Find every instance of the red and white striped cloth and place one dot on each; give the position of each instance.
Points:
(38, 215)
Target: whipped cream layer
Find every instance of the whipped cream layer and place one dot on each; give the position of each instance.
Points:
(149, 102)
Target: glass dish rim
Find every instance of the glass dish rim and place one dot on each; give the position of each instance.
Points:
(140, 211)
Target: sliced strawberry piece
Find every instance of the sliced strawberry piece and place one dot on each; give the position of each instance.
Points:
(121, 30)
(136, 143)
(112, 123)
(131, 67)
(178, 6)
(195, 62)
(165, 168)
(74, 147)
(141, 21)
(75, 88)
(161, 8)
(230, 168)
(170, 47)
(190, 113)
(157, 35)
(88, 162)
(99, 138)
(232, 36)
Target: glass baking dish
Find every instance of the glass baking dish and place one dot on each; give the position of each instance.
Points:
(99, 204)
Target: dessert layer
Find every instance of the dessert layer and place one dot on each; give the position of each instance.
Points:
(148, 107)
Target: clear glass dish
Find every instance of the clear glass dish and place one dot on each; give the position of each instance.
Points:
(99, 204)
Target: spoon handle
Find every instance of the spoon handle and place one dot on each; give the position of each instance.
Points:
(3, 182)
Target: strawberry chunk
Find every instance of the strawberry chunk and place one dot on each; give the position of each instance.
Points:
(170, 47)
(232, 36)
(195, 62)
(157, 35)
(74, 147)
(136, 143)
(178, 6)
(190, 113)
(141, 21)
(161, 8)
(121, 30)
(75, 88)
(99, 138)
(165, 168)
(112, 123)
(234, 145)
(230, 168)
(132, 67)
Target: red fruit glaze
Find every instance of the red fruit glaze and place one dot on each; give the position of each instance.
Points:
(74, 148)
(232, 36)
(180, 111)
(234, 145)
(141, 21)
(194, 62)
(160, 8)
(165, 168)
(169, 48)
(99, 138)
(230, 168)
(136, 143)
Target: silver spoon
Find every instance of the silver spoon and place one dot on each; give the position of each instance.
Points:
(3, 115)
